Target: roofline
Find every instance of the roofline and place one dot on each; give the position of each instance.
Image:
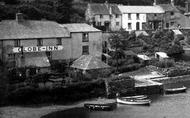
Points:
(85, 31)
(141, 13)
(33, 38)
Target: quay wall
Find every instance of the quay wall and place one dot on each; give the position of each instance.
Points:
(169, 80)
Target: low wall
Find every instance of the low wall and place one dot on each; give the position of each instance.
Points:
(169, 80)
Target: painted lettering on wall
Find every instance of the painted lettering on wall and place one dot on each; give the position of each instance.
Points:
(37, 49)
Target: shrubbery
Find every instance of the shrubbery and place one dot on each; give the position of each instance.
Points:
(74, 92)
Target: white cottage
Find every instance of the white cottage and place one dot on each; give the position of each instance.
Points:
(133, 17)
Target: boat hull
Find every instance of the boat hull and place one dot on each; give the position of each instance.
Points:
(138, 97)
(133, 102)
(101, 107)
(175, 90)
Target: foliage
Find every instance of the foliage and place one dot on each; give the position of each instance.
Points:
(163, 41)
(34, 95)
(165, 64)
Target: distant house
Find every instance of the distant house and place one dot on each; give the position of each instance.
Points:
(144, 58)
(137, 17)
(171, 15)
(106, 17)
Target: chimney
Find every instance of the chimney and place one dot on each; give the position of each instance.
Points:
(154, 4)
(187, 6)
(172, 3)
(106, 3)
(19, 17)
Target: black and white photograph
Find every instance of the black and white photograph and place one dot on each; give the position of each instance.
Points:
(94, 58)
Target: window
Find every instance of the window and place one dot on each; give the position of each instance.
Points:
(129, 16)
(155, 14)
(129, 26)
(59, 41)
(85, 50)
(16, 43)
(85, 37)
(167, 25)
(117, 23)
(172, 13)
(117, 15)
(138, 17)
(101, 16)
(99, 24)
(172, 23)
(110, 16)
(39, 42)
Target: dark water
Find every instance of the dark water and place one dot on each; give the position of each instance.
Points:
(162, 106)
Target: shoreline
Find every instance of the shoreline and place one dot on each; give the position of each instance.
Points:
(35, 111)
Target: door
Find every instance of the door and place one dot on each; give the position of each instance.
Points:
(137, 26)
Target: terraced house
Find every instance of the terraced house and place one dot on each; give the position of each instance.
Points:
(31, 43)
(106, 17)
(141, 17)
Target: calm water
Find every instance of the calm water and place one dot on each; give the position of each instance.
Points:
(163, 106)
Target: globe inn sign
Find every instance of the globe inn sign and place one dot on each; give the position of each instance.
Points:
(37, 49)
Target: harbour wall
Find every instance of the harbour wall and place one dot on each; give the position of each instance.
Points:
(169, 80)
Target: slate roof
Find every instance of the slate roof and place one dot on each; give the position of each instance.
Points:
(168, 7)
(103, 9)
(80, 27)
(12, 29)
(88, 62)
(140, 9)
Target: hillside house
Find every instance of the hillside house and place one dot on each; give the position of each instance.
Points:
(141, 17)
(106, 17)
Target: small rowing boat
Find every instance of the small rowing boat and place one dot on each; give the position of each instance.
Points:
(176, 90)
(139, 97)
(100, 105)
(133, 101)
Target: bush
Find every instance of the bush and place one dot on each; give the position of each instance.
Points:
(127, 68)
(165, 64)
(32, 95)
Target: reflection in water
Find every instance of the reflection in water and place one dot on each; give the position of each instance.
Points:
(71, 113)
(162, 106)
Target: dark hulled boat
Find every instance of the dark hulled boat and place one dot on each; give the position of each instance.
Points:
(175, 90)
(100, 105)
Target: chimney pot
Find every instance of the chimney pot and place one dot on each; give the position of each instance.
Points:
(19, 17)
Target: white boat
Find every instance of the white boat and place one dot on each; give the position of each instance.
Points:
(133, 101)
(139, 97)
(176, 90)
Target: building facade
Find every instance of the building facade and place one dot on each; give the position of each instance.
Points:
(29, 43)
(137, 17)
(106, 17)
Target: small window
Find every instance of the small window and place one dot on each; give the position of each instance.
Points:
(172, 23)
(172, 13)
(85, 37)
(16, 43)
(39, 42)
(129, 26)
(101, 16)
(110, 16)
(99, 24)
(85, 50)
(59, 41)
(129, 16)
(117, 23)
(117, 15)
(138, 17)
(155, 14)
(167, 25)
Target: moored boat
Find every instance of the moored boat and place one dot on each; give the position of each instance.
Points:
(101, 105)
(133, 101)
(175, 90)
(140, 97)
